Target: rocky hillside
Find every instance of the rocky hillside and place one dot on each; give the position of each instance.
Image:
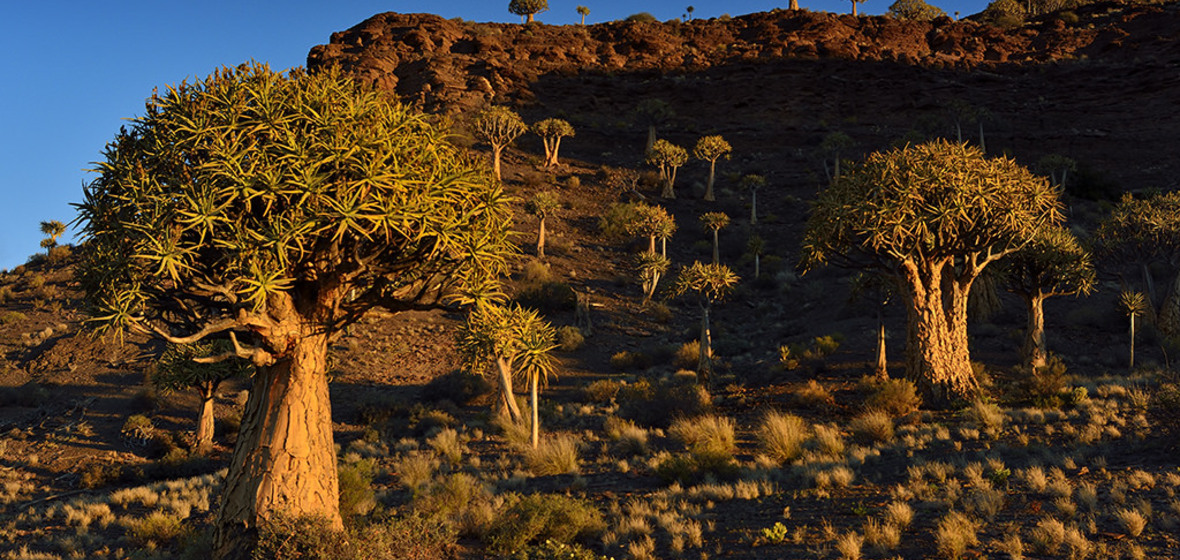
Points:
(1102, 89)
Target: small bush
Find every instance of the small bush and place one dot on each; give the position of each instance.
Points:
(602, 391)
(1131, 521)
(10, 317)
(781, 436)
(814, 394)
(156, 528)
(627, 360)
(873, 426)
(629, 439)
(955, 534)
(1164, 407)
(642, 17)
(447, 445)
(690, 468)
(553, 455)
(895, 397)
(356, 487)
(138, 429)
(569, 338)
(656, 405)
(987, 416)
(543, 517)
(705, 434)
(687, 356)
(553, 550)
(1047, 536)
(1043, 386)
(460, 387)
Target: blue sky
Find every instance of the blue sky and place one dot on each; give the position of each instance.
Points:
(71, 71)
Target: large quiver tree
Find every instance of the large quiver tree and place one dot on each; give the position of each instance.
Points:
(932, 216)
(279, 208)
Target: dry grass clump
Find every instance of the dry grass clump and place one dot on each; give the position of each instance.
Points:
(1011, 545)
(828, 440)
(781, 436)
(1131, 521)
(873, 426)
(849, 545)
(955, 534)
(708, 434)
(899, 514)
(630, 440)
(154, 529)
(447, 445)
(553, 455)
(1077, 546)
(882, 536)
(814, 394)
(896, 397)
(1047, 536)
(416, 470)
(987, 416)
(1034, 477)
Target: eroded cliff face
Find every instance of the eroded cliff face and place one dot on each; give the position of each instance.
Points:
(1103, 90)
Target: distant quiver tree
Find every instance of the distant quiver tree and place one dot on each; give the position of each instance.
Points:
(710, 149)
(931, 216)
(668, 157)
(914, 10)
(528, 8)
(273, 210)
(551, 132)
(498, 126)
(195, 366)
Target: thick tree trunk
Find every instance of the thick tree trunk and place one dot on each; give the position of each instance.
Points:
(504, 371)
(530, 20)
(664, 247)
(496, 151)
(669, 191)
(709, 187)
(284, 461)
(937, 356)
(1034, 351)
(651, 139)
(204, 437)
(705, 359)
(536, 415)
(541, 239)
(1168, 319)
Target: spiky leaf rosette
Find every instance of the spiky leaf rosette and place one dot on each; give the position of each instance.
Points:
(1052, 264)
(1132, 303)
(931, 202)
(711, 282)
(553, 128)
(651, 221)
(514, 333)
(499, 125)
(527, 7)
(666, 154)
(752, 182)
(542, 204)
(709, 148)
(236, 188)
(1141, 229)
(713, 221)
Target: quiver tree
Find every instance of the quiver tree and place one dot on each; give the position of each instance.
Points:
(932, 217)
(542, 205)
(668, 157)
(710, 149)
(914, 10)
(1057, 167)
(654, 223)
(963, 113)
(1133, 304)
(279, 208)
(1142, 233)
(652, 113)
(854, 4)
(715, 222)
(498, 126)
(528, 8)
(753, 183)
(880, 289)
(53, 229)
(519, 343)
(190, 366)
(1052, 264)
(755, 247)
(583, 11)
(551, 132)
(709, 283)
(833, 146)
(651, 267)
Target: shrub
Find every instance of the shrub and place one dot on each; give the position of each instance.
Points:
(1164, 407)
(602, 391)
(543, 517)
(656, 405)
(138, 429)
(687, 355)
(690, 468)
(460, 387)
(1043, 386)
(447, 445)
(781, 436)
(642, 17)
(553, 455)
(895, 397)
(569, 338)
(955, 534)
(814, 394)
(705, 434)
(156, 528)
(1131, 521)
(873, 426)
(987, 416)
(629, 438)
(553, 550)
(356, 487)
(626, 360)
(10, 317)
(452, 499)
(1047, 536)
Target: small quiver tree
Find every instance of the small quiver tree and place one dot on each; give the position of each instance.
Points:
(1057, 167)
(519, 343)
(280, 208)
(753, 183)
(755, 246)
(651, 267)
(833, 147)
(652, 113)
(709, 283)
(1144, 233)
(854, 4)
(931, 216)
(880, 289)
(551, 132)
(1052, 264)
(654, 223)
(583, 11)
(1133, 304)
(498, 126)
(710, 149)
(914, 10)
(715, 222)
(668, 157)
(52, 230)
(192, 366)
(528, 8)
(542, 205)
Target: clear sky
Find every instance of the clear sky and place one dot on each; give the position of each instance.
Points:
(71, 71)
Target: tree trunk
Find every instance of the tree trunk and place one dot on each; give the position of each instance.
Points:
(709, 187)
(882, 368)
(556, 146)
(705, 359)
(584, 19)
(530, 20)
(982, 142)
(937, 357)
(284, 461)
(204, 437)
(794, 5)
(664, 247)
(716, 251)
(541, 240)
(504, 370)
(757, 265)
(853, 8)
(753, 207)
(536, 415)
(1034, 352)
(668, 192)
(1168, 318)
(651, 138)
(496, 150)
(1131, 365)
